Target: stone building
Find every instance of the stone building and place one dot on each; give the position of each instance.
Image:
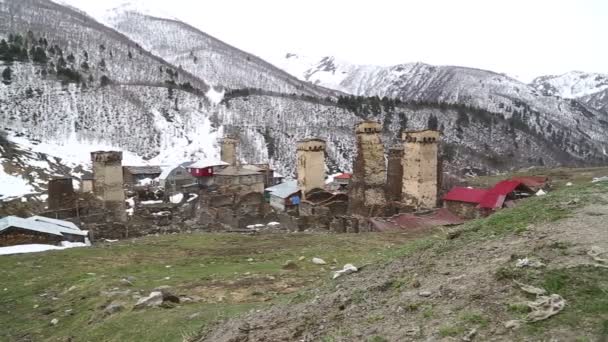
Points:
(311, 164)
(136, 175)
(108, 182)
(86, 182)
(238, 180)
(367, 196)
(394, 174)
(174, 178)
(61, 194)
(420, 170)
(228, 149)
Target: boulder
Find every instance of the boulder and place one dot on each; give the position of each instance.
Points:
(113, 308)
(154, 299)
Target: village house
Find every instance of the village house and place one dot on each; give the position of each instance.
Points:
(204, 171)
(464, 202)
(284, 196)
(38, 230)
(239, 180)
(343, 180)
(174, 178)
(140, 175)
(271, 177)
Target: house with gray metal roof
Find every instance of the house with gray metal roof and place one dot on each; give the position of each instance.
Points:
(38, 230)
(284, 196)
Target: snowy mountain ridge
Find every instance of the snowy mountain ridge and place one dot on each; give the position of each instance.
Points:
(571, 85)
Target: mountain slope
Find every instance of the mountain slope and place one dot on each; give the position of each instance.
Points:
(571, 85)
(208, 58)
(482, 89)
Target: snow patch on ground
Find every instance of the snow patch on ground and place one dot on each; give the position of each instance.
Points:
(13, 186)
(177, 198)
(214, 96)
(36, 248)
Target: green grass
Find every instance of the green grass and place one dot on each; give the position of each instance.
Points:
(451, 330)
(585, 289)
(212, 266)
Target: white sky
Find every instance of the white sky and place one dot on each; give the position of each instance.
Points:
(524, 38)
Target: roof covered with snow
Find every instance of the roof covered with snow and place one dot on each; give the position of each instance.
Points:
(40, 225)
(284, 190)
(203, 164)
(236, 171)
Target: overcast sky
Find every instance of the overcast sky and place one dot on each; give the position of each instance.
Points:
(523, 38)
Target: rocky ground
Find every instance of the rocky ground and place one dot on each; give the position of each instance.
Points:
(465, 284)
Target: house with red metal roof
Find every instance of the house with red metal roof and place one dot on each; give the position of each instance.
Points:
(506, 190)
(464, 202)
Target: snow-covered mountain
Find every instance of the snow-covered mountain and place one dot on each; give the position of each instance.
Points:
(164, 92)
(571, 85)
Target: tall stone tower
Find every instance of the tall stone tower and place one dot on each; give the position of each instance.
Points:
(108, 182)
(367, 196)
(311, 164)
(420, 168)
(228, 146)
(394, 174)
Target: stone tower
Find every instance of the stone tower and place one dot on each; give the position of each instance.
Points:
(394, 174)
(229, 145)
(367, 195)
(108, 182)
(420, 168)
(311, 164)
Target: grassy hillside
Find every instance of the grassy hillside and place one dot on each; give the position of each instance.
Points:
(229, 273)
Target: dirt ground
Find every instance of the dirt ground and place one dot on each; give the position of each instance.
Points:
(459, 289)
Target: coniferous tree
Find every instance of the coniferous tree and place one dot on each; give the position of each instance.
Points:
(7, 75)
(71, 59)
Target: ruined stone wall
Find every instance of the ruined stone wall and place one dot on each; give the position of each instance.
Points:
(228, 150)
(367, 196)
(394, 175)
(108, 182)
(463, 210)
(420, 168)
(61, 194)
(311, 164)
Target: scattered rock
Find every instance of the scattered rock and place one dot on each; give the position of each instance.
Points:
(169, 297)
(525, 262)
(318, 261)
(416, 283)
(469, 336)
(116, 293)
(425, 293)
(301, 258)
(569, 184)
(113, 308)
(541, 192)
(126, 282)
(531, 289)
(513, 324)
(194, 315)
(545, 307)
(154, 299)
(596, 252)
(290, 265)
(347, 269)
(54, 321)
(250, 260)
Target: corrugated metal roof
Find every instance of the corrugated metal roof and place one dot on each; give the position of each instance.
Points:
(533, 182)
(492, 201)
(37, 226)
(284, 190)
(17, 222)
(440, 217)
(62, 223)
(143, 170)
(345, 175)
(203, 164)
(467, 195)
(505, 187)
